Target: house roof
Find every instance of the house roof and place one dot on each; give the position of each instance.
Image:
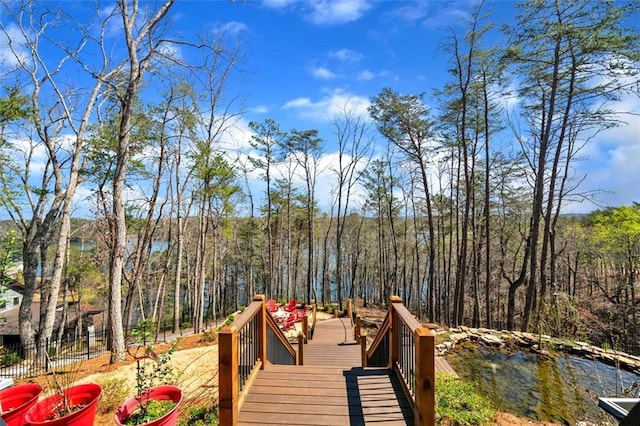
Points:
(9, 326)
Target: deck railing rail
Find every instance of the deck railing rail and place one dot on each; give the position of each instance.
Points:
(407, 347)
(279, 350)
(244, 347)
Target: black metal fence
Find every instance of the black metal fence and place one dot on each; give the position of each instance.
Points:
(19, 361)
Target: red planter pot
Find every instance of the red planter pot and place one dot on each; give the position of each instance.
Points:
(158, 393)
(16, 401)
(85, 395)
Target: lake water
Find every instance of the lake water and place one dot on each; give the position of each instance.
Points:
(562, 388)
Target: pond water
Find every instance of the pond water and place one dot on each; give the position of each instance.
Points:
(562, 388)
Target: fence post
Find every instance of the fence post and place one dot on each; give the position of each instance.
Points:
(88, 344)
(228, 375)
(262, 329)
(300, 348)
(425, 413)
(394, 341)
(305, 327)
(46, 354)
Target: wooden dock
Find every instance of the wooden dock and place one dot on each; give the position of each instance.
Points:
(330, 388)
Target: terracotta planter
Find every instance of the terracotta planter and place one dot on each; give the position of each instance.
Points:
(85, 396)
(158, 393)
(16, 401)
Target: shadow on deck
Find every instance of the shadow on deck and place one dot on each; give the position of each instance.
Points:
(332, 387)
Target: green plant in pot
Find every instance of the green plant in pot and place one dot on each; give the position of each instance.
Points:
(68, 404)
(155, 402)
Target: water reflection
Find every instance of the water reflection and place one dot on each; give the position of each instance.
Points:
(562, 389)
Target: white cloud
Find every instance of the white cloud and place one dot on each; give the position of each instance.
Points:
(345, 55)
(298, 103)
(334, 103)
(232, 28)
(277, 4)
(13, 49)
(411, 12)
(170, 51)
(107, 11)
(366, 75)
(611, 164)
(37, 154)
(322, 73)
(331, 12)
(259, 109)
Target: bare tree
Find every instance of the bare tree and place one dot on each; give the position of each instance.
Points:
(140, 33)
(354, 148)
(61, 126)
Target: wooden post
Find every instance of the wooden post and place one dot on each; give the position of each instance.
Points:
(357, 331)
(262, 329)
(425, 403)
(228, 375)
(300, 348)
(363, 350)
(394, 341)
(305, 327)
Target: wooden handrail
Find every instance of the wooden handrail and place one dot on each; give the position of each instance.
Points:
(237, 369)
(404, 315)
(230, 354)
(314, 320)
(382, 333)
(271, 323)
(411, 355)
(247, 315)
(350, 310)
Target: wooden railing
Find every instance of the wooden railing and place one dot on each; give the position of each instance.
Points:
(279, 350)
(407, 347)
(310, 329)
(244, 348)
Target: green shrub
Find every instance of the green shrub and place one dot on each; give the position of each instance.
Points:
(153, 410)
(201, 416)
(114, 392)
(208, 336)
(458, 404)
(10, 358)
(226, 322)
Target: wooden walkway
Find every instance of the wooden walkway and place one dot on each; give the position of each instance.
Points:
(330, 389)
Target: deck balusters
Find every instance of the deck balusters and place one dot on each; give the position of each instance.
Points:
(247, 350)
(410, 355)
(406, 355)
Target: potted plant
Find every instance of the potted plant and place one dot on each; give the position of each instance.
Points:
(72, 406)
(156, 402)
(69, 404)
(16, 401)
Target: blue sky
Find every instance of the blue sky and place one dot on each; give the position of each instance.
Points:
(305, 60)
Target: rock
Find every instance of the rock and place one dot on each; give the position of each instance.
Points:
(459, 337)
(463, 328)
(491, 340)
(544, 352)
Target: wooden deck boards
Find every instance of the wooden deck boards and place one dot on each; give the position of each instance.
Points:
(330, 389)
